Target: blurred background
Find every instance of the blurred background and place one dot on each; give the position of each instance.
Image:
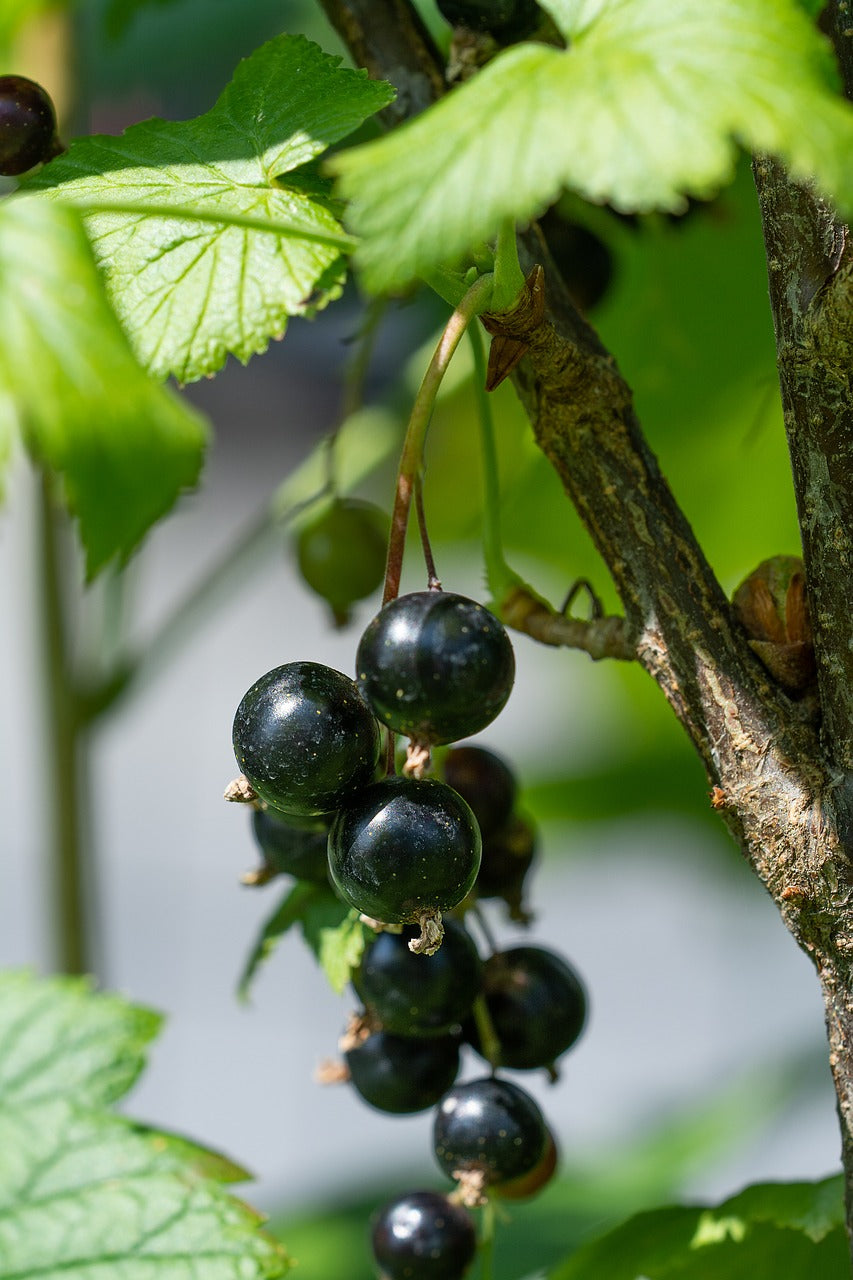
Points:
(703, 1065)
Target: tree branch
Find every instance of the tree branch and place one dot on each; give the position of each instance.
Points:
(389, 39)
(811, 284)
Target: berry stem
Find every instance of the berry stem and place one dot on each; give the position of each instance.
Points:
(63, 760)
(509, 278)
(355, 375)
(490, 1046)
(499, 577)
(487, 1241)
(433, 580)
(477, 299)
(479, 915)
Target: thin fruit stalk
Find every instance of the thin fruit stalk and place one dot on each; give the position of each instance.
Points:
(475, 300)
(64, 746)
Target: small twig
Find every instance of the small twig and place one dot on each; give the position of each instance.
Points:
(600, 637)
(596, 609)
(433, 580)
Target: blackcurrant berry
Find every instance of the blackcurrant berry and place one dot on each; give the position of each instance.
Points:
(488, 1130)
(292, 849)
(400, 1074)
(584, 260)
(507, 20)
(508, 855)
(537, 1005)
(422, 1236)
(341, 553)
(538, 1177)
(435, 666)
(305, 739)
(402, 850)
(27, 125)
(415, 995)
(484, 782)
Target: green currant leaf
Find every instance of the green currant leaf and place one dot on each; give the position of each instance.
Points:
(58, 1041)
(86, 1192)
(124, 446)
(337, 936)
(212, 232)
(795, 1230)
(643, 108)
(292, 908)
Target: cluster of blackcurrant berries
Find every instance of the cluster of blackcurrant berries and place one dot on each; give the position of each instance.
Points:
(404, 851)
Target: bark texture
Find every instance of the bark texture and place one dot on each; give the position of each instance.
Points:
(780, 768)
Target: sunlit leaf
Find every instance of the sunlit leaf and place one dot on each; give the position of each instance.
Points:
(212, 232)
(646, 106)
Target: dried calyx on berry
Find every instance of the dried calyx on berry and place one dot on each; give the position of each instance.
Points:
(771, 606)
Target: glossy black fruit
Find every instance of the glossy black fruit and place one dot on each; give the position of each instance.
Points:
(484, 782)
(422, 1236)
(491, 1129)
(414, 995)
(305, 739)
(537, 1005)
(401, 1075)
(435, 666)
(505, 19)
(539, 1176)
(290, 848)
(400, 848)
(341, 553)
(27, 125)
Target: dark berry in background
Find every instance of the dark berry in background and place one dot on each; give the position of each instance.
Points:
(401, 847)
(415, 995)
(506, 20)
(529, 1184)
(422, 1236)
(435, 666)
(484, 782)
(489, 1127)
(508, 855)
(402, 1075)
(537, 1005)
(341, 553)
(305, 739)
(27, 125)
(292, 849)
(584, 260)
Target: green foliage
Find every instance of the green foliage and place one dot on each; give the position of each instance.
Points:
(120, 13)
(641, 110)
(83, 1189)
(212, 232)
(331, 929)
(290, 910)
(795, 1230)
(124, 446)
(337, 937)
